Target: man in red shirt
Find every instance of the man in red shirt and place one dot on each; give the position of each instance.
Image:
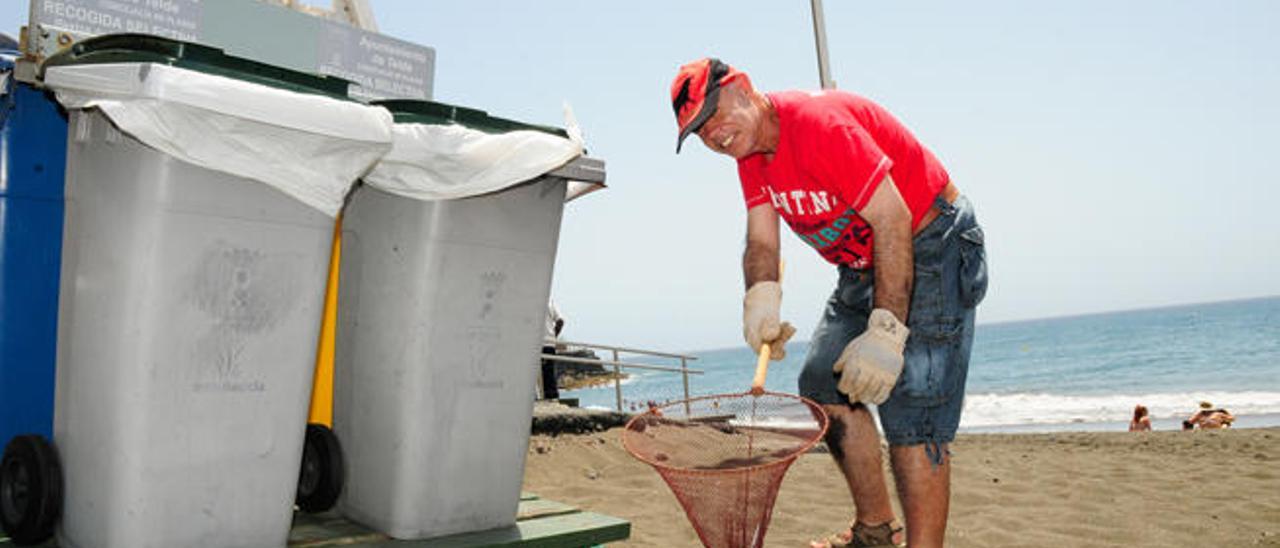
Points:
(852, 182)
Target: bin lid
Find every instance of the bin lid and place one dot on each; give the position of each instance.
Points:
(407, 111)
(143, 48)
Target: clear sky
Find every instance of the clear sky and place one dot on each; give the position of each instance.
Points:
(1120, 154)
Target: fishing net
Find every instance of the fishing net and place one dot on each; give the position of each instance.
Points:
(724, 457)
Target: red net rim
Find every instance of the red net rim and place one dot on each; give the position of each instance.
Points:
(819, 413)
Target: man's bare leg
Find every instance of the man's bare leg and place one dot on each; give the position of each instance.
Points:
(855, 445)
(925, 493)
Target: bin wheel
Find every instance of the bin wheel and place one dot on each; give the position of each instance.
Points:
(30, 490)
(321, 475)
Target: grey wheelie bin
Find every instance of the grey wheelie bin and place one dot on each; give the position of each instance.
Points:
(201, 196)
(443, 288)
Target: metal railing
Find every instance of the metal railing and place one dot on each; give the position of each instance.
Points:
(618, 365)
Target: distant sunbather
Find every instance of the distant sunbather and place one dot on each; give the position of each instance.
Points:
(1210, 418)
(1141, 420)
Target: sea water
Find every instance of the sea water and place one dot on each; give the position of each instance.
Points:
(1074, 373)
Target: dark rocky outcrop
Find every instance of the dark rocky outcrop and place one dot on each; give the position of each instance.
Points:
(552, 418)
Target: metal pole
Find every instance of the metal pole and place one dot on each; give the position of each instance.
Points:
(684, 372)
(820, 40)
(617, 380)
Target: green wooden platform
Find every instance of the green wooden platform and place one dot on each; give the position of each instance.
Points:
(539, 524)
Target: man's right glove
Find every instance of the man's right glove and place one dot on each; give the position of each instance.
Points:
(871, 363)
(760, 319)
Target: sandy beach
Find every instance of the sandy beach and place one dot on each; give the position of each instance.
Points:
(1211, 488)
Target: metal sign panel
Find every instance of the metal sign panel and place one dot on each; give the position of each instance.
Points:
(380, 66)
(178, 19)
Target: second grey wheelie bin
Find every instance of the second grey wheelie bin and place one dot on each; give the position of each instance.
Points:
(201, 196)
(447, 257)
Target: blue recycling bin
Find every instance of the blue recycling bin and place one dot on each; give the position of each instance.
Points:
(33, 142)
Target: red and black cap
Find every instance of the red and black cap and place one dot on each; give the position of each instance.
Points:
(695, 93)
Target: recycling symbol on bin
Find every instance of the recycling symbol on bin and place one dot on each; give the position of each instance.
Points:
(491, 284)
(245, 294)
(484, 337)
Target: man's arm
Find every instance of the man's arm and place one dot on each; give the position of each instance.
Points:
(760, 259)
(892, 253)
(761, 304)
(870, 365)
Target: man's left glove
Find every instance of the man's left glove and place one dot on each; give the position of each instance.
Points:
(871, 363)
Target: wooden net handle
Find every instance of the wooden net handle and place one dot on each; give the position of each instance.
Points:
(762, 360)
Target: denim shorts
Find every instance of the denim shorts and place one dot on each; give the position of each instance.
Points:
(950, 281)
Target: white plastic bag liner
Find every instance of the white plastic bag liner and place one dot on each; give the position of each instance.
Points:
(310, 147)
(577, 189)
(449, 161)
(443, 162)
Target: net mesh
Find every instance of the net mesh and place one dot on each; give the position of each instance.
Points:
(724, 457)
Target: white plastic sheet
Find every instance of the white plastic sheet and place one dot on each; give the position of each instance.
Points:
(446, 161)
(308, 146)
(441, 162)
(577, 189)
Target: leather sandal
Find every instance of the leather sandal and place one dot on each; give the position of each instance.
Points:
(861, 535)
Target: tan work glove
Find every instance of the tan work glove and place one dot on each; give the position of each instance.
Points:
(760, 319)
(871, 363)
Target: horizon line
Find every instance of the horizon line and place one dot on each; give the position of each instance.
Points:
(1045, 318)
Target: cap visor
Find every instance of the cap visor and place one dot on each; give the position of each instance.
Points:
(708, 110)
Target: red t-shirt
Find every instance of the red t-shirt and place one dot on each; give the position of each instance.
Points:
(834, 149)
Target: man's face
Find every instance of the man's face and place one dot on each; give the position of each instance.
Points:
(734, 128)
